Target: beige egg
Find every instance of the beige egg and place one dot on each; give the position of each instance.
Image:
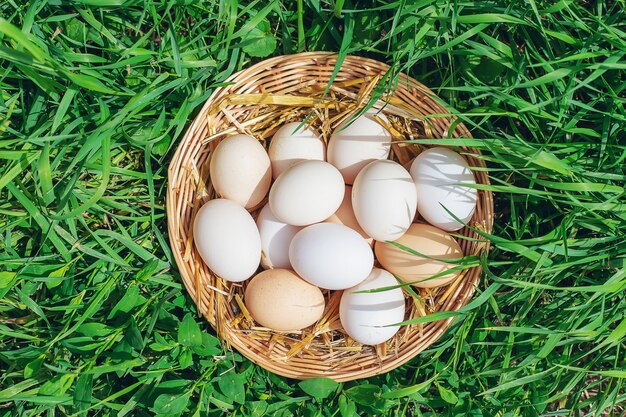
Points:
(240, 170)
(427, 240)
(281, 300)
(345, 215)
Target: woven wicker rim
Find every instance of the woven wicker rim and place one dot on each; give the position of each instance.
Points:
(323, 350)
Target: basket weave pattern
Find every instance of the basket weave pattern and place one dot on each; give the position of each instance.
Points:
(259, 100)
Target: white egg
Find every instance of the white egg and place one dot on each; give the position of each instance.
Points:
(307, 193)
(353, 147)
(227, 239)
(275, 239)
(291, 144)
(367, 317)
(331, 256)
(241, 170)
(384, 200)
(439, 174)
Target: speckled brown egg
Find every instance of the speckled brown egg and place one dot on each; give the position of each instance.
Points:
(280, 300)
(427, 240)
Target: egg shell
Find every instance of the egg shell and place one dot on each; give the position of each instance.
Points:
(281, 300)
(291, 144)
(427, 240)
(227, 239)
(366, 317)
(439, 174)
(352, 146)
(306, 193)
(407, 166)
(345, 215)
(240, 170)
(275, 239)
(384, 200)
(331, 256)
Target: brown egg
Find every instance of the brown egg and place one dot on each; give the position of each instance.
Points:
(427, 240)
(281, 300)
(345, 215)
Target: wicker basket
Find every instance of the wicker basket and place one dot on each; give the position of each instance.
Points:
(258, 101)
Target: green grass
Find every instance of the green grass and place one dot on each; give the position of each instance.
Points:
(93, 317)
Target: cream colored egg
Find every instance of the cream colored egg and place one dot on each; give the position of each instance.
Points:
(331, 256)
(384, 200)
(227, 239)
(426, 240)
(367, 317)
(275, 239)
(293, 143)
(240, 170)
(352, 146)
(281, 300)
(345, 215)
(441, 178)
(306, 193)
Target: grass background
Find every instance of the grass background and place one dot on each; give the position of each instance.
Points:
(94, 97)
